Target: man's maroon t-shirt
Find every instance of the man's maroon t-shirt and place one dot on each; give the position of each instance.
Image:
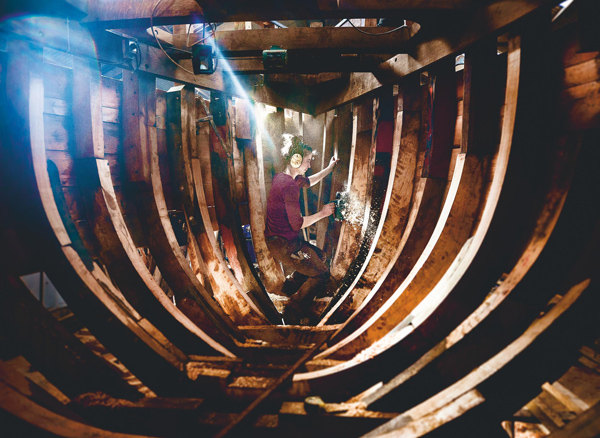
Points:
(284, 218)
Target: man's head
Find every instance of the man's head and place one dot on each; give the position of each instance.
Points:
(296, 154)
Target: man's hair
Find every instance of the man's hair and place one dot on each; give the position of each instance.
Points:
(292, 144)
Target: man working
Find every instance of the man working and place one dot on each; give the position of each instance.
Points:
(284, 222)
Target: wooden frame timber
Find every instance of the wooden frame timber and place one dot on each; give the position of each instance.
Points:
(409, 325)
(83, 282)
(469, 296)
(107, 14)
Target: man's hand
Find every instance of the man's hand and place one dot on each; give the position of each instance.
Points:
(328, 209)
(334, 160)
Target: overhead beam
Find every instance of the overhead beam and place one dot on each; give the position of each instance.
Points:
(436, 43)
(62, 35)
(110, 14)
(310, 63)
(339, 39)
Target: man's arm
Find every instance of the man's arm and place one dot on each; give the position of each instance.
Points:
(327, 210)
(323, 173)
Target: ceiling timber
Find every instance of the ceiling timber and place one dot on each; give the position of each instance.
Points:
(124, 13)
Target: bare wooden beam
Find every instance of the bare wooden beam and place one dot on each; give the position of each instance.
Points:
(106, 48)
(448, 38)
(312, 62)
(137, 13)
(342, 39)
(124, 13)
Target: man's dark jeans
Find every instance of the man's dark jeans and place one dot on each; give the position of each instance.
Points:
(307, 260)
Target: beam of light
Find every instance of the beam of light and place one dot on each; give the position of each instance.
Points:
(257, 114)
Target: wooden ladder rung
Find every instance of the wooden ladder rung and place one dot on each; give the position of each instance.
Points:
(571, 401)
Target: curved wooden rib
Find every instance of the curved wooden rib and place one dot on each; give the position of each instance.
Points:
(134, 279)
(464, 273)
(535, 345)
(227, 174)
(325, 187)
(552, 243)
(359, 184)
(50, 347)
(459, 217)
(203, 155)
(426, 203)
(117, 249)
(145, 189)
(82, 282)
(181, 129)
(272, 275)
(387, 237)
(20, 406)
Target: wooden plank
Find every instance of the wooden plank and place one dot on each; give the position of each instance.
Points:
(66, 362)
(271, 272)
(61, 79)
(497, 241)
(57, 131)
(71, 37)
(325, 187)
(13, 373)
(566, 397)
(193, 298)
(398, 196)
(124, 263)
(312, 134)
(122, 14)
(203, 151)
(359, 186)
(117, 249)
(81, 281)
(112, 90)
(518, 351)
(181, 124)
(338, 39)
(274, 127)
(228, 211)
(487, 20)
(21, 407)
(426, 199)
(87, 109)
(509, 286)
(439, 150)
(585, 425)
(454, 227)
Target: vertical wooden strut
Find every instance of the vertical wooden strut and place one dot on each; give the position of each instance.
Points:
(360, 178)
(396, 206)
(145, 189)
(80, 279)
(272, 276)
(117, 250)
(229, 211)
(181, 136)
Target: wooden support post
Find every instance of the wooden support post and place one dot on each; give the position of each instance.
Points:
(396, 206)
(193, 298)
(272, 276)
(202, 250)
(360, 177)
(228, 213)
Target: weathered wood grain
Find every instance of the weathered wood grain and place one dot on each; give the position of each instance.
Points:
(181, 130)
(49, 346)
(426, 201)
(272, 274)
(362, 162)
(460, 213)
(146, 191)
(396, 206)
